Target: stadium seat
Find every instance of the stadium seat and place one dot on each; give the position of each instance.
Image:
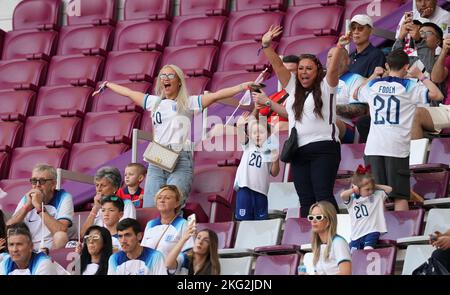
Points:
(204, 7)
(267, 5)
(146, 123)
(242, 56)
(352, 155)
(251, 25)
(29, 45)
(37, 14)
(431, 185)
(22, 74)
(212, 197)
(87, 40)
(218, 150)
(10, 134)
(230, 78)
(75, 70)
(236, 266)
(365, 6)
(305, 20)
(253, 234)
(193, 30)
(80, 216)
(23, 159)
(16, 189)
(101, 12)
(439, 153)
(418, 151)
(340, 185)
(4, 164)
(315, 2)
(374, 262)
(66, 100)
(415, 256)
(66, 257)
(437, 220)
(277, 264)
(196, 85)
(17, 102)
(193, 60)
(281, 195)
(135, 66)
(305, 44)
(53, 130)
(143, 35)
(110, 101)
(150, 10)
(144, 215)
(224, 231)
(402, 224)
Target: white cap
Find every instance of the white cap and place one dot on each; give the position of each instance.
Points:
(362, 19)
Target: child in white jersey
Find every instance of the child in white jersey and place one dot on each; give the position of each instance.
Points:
(365, 204)
(258, 162)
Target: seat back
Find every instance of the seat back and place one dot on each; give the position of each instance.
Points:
(204, 7)
(140, 34)
(196, 85)
(217, 149)
(16, 189)
(439, 151)
(129, 65)
(415, 256)
(297, 231)
(66, 70)
(193, 60)
(4, 164)
(251, 25)
(224, 231)
(82, 39)
(277, 264)
(144, 9)
(258, 233)
(144, 215)
(190, 30)
(108, 100)
(352, 155)
(25, 72)
(261, 5)
(36, 14)
(62, 100)
(437, 220)
(236, 266)
(282, 195)
(11, 133)
(17, 102)
(227, 79)
(374, 262)
(93, 12)
(353, 8)
(418, 151)
(402, 224)
(65, 257)
(431, 185)
(20, 45)
(305, 44)
(44, 130)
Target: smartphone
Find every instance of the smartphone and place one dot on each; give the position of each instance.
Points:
(191, 219)
(408, 14)
(433, 237)
(257, 87)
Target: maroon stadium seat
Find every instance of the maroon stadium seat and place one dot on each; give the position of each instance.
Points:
(139, 34)
(196, 85)
(109, 126)
(16, 189)
(353, 7)
(17, 102)
(37, 14)
(144, 215)
(111, 101)
(2, 39)
(231, 78)
(10, 134)
(23, 159)
(146, 123)
(219, 150)
(44, 130)
(75, 70)
(63, 100)
(4, 164)
(22, 74)
(251, 25)
(261, 4)
(304, 20)
(431, 185)
(192, 30)
(193, 60)
(29, 44)
(374, 262)
(65, 257)
(305, 44)
(351, 156)
(100, 12)
(83, 217)
(403, 224)
(212, 197)
(224, 231)
(131, 66)
(340, 185)
(86, 156)
(241, 56)
(204, 7)
(150, 10)
(277, 264)
(315, 2)
(88, 40)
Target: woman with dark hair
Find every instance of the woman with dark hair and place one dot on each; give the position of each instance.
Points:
(311, 108)
(97, 248)
(202, 259)
(3, 248)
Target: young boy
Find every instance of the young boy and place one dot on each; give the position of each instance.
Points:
(134, 175)
(392, 101)
(112, 212)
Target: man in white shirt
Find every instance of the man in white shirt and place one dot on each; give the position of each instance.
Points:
(22, 260)
(135, 259)
(57, 213)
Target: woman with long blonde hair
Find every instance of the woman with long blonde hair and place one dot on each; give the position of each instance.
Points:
(172, 112)
(331, 253)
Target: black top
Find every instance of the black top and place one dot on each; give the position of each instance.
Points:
(365, 62)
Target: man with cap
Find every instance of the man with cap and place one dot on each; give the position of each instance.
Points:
(366, 57)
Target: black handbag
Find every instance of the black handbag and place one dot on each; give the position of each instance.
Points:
(431, 267)
(290, 147)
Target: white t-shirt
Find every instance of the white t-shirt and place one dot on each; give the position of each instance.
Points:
(91, 269)
(40, 264)
(175, 231)
(129, 211)
(60, 207)
(170, 127)
(392, 102)
(254, 169)
(340, 252)
(367, 214)
(151, 262)
(313, 128)
(440, 17)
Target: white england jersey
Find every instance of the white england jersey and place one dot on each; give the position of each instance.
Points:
(440, 17)
(91, 269)
(170, 127)
(392, 102)
(151, 262)
(129, 211)
(254, 169)
(312, 128)
(340, 252)
(172, 235)
(60, 207)
(367, 214)
(348, 84)
(40, 264)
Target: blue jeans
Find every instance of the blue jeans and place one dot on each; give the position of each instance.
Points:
(182, 177)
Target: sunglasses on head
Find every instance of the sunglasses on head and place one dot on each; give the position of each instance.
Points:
(110, 198)
(91, 238)
(41, 181)
(319, 217)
